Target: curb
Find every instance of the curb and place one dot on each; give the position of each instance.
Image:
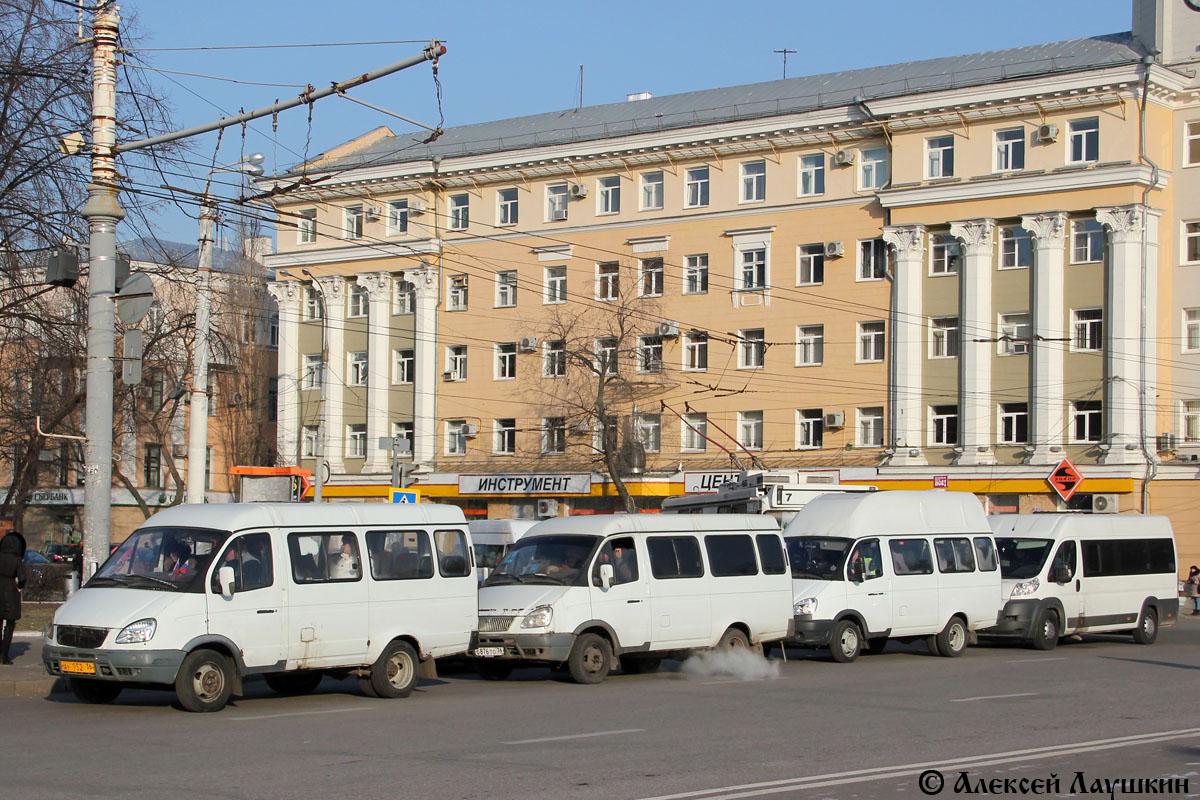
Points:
(37, 687)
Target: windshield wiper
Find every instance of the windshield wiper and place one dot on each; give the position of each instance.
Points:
(158, 581)
(551, 578)
(97, 578)
(801, 573)
(496, 576)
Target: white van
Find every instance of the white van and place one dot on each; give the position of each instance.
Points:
(1078, 573)
(201, 596)
(586, 591)
(492, 538)
(902, 565)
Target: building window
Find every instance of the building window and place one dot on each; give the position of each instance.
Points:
(404, 364)
(872, 174)
(1191, 329)
(306, 226)
(609, 199)
(648, 430)
(810, 345)
(1014, 423)
(695, 274)
(696, 187)
(750, 429)
(810, 264)
(1084, 140)
(313, 306)
(555, 285)
(1191, 242)
(812, 174)
(460, 212)
(404, 431)
(870, 342)
(504, 442)
(651, 277)
(939, 157)
(1087, 329)
(945, 254)
(753, 272)
(872, 260)
(754, 181)
(456, 362)
(1014, 334)
(273, 330)
(606, 356)
(943, 337)
(554, 435)
(943, 429)
(650, 350)
(152, 466)
(652, 191)
(358, 368)
(810, 429)
(1010, 149)
(397, 221)
(556, 202)
(870, 426)
(506, 207)
(457, 300)
(309, 447)
(1016, 248)
(1087, 241)
(695, 351)
(752, 352)
(456, 437)
(1191, 421)
(352, 222)
(1087, 420)
(356, 441)
(312, 371)
(404, 299)
(357, 300)
(695, 432)
(554, 359)
(506, 289)
(1191, 144)
(506, 361)
(608, 281)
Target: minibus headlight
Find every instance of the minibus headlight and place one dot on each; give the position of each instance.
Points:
(540, 617)
(1026, 588)
(806, 606)
(140, 631)
(48, 632)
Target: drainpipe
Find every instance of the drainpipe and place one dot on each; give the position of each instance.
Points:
(1151, 458)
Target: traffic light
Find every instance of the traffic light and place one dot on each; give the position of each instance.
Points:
(63, 268)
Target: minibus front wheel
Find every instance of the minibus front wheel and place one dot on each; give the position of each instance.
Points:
(845, 642)
(1045, 631)
(205, 681)
(590, 658)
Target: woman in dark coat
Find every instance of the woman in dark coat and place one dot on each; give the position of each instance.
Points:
(12, 581)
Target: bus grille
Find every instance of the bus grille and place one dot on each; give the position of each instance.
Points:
(73, 636)
(495, 624)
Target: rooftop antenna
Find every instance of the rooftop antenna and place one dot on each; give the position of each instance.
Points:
(785, 52)
(580, 107)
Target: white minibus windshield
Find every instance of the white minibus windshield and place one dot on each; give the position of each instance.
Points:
(170, 559)
(545, 559)
(817, 557)
(1022, 559)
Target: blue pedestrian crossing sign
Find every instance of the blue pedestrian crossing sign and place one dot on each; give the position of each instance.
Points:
(406, 496)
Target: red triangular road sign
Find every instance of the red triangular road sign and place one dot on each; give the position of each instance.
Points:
(1065, 479)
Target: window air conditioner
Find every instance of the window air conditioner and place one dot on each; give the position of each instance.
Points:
(1167, 442)
(578, 191)
(558, 215)
(547, 508)
(668, 329)
(470, 430)
(1104, 504)
(834, 250)
(1047, 133)
(527, 344)
(448, 375)
(416, 208)
(372, 213)
(835, 419)
(843, 158)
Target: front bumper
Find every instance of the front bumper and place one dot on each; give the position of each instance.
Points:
(1015, 620)
(810, 632)
(527, 646)
(127, 666)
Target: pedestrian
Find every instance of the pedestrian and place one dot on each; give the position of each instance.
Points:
(1191, 588)
(12, 581)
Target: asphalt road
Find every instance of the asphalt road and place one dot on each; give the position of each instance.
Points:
(1103, 707)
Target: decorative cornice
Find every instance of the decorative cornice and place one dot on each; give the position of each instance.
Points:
(423, 278)
(977, 235)
(1050, 229)
(333, 287)
(906, 239)
(288, 294)
(346, 254)
(1125, 223)
(377, 284)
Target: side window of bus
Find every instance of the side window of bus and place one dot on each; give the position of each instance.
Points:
(399, 555)
(1065, 558)
(770, 553)
(954, 555)
(985, 552)
(731, 555)
(453, 559)
(674, 557)
(324, 557)
(866, 557)
(1127, 557)
(622, 554)
(911, 556)
(249, 557)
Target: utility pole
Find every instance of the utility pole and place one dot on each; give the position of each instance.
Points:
(198, 424)
(785, 52)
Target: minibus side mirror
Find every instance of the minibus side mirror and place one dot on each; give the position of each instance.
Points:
(856, 571)
(1060, 574)
(606, 575)
(225, 579)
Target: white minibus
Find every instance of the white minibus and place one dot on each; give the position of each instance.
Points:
(902, 565)
(1068, 573)
(586, 592)
(492, 538)
(200, 597)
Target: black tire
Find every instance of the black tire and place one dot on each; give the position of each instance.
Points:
(640, 666)
(366, 687)
(877, 645)
(1147, 628)
(952, 641)
(95, 692)
(734, 639)
(205, 681)
(589, 659)
(1045, 631)
(294, 683)
(932, 643)
(492, 670)
(397, 671)
(845, 641)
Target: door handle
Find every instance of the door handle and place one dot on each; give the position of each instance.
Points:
(633, 601)
(1077, 584)
(876, 594)
(267, 610)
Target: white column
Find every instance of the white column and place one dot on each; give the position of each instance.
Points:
(1047, 422)
(975, 409)
(425, 383)
(289, 296)
(908, 345)
(379, 293)
(1124, 294)
(333, 290)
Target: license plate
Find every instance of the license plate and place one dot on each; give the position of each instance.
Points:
(78, 667)
(488, 652)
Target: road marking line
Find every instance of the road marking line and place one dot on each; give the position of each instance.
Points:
(993, 697)
(300, 713)
(576, 736)
(904, 770)
(1031, 660)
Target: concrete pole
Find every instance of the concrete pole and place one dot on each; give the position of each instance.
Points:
(102, 212)
(198, 424)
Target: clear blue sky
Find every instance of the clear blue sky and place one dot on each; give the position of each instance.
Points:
(512, 58)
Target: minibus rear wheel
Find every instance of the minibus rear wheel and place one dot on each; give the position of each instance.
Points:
(590, 658)
(396, 673)
(845, 642)
(205, 681)
(1147, 629)
(87, 690)
(952, 641)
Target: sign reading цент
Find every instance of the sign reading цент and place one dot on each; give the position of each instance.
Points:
(706, 482)
(550, 483)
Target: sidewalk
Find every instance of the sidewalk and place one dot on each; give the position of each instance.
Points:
(27, 677)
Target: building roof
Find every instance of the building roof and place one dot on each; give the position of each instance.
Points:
(178, 254)
(751, 101)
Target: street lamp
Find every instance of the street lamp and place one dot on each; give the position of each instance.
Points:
(319, 449)
(198, 426)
